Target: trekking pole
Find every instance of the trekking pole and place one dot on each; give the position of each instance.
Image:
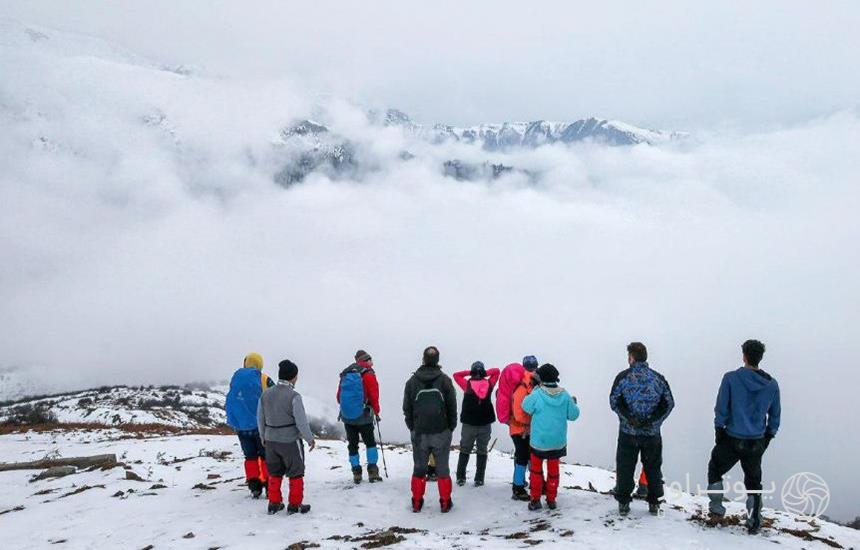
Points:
(381, 449)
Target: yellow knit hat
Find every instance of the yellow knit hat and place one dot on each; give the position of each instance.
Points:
(254, 361)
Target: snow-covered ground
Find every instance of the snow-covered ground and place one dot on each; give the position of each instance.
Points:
(193, 497)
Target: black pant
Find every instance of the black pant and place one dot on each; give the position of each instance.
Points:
(252, 446)
(627, 454)
(353, 432)
(522, 449)
(729, 451)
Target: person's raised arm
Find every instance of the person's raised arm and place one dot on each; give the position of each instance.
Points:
(460, 379)
(493, 376)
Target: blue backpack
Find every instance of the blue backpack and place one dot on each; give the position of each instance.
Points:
(352, 401)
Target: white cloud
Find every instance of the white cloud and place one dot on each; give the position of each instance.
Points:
(135, 252)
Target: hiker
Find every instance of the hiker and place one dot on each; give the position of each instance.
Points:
(514, 385)
(476, 418)
(430, 411)
(746, 418)
(551, 408)
(642, 399)
(246, 387)
(358, 397)
(283, 424)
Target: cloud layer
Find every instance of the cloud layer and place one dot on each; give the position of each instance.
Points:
(145, 242)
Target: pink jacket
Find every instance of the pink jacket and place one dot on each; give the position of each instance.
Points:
(482, 387)
(512, 375)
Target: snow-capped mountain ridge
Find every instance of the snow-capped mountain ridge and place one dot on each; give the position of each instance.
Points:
(502, 136)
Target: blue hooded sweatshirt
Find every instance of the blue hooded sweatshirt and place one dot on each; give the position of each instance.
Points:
(550, 407)
(748, 404)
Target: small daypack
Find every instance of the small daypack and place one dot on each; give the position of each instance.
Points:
(429, 410)
(352, 400)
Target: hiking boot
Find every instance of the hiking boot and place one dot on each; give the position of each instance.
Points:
(520, 493)
(480, 469)
(356, 474)
(654, 508)
(641, 491)
(754, 519)
(298, 509)
(446, 505)
(417, 505)
(623, 508)
(535, 505)
(461, 481)
(275, 507)
(551, 504)
(373, 473)
(715, 506)
(256, 488)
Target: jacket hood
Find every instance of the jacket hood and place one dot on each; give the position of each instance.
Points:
(481, 387)
(553, 396)
(754, 380)
(427, 374)
(512, 374)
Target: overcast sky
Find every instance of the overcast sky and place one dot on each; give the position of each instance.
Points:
(673, 64)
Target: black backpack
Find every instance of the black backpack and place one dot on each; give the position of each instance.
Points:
(429, 410)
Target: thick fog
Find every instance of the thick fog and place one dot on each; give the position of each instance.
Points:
(144, 241)
(669, 63)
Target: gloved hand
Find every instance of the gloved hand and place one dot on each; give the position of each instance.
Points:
(720, 435)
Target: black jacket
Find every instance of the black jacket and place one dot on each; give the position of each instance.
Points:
(430, 378)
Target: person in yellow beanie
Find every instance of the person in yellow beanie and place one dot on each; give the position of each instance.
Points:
(246, 387)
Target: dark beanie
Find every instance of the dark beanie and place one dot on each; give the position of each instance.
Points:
(547, 374)
(287, 370)
(478, 371)
(431, 357)
(530, 363)
(362, 356)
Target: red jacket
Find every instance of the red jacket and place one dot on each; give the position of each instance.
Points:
(371, 386)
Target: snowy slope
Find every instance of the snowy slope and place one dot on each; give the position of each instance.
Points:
(193, 498)
(190, 407)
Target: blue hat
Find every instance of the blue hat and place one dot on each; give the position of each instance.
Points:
(530, 363)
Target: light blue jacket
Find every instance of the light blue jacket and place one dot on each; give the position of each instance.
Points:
(550, 408)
